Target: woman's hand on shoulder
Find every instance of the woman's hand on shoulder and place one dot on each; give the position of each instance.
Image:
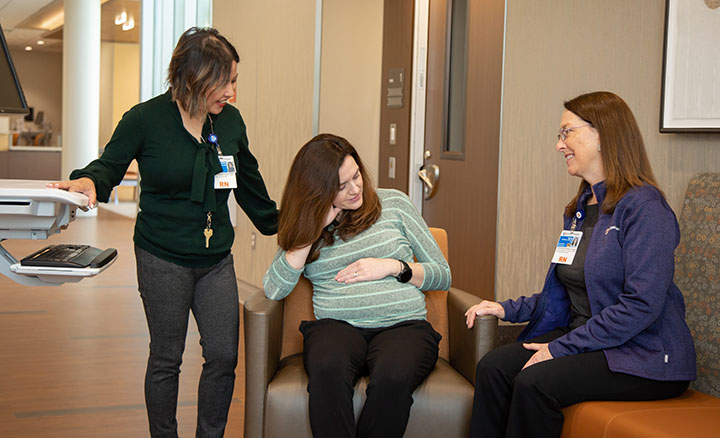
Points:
(84, 185)
(368, 269)
(485, 307)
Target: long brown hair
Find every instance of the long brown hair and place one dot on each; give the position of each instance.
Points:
(622, 148)
(309, 191)
(201, 62)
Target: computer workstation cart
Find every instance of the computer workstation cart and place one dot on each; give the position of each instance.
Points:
(30, 210)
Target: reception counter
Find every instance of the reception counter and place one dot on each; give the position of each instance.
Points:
(31, 162)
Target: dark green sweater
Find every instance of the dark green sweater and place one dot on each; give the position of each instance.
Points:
(176, 184)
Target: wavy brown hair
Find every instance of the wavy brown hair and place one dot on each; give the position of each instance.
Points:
(201, 63)
(622, 148)
(309, 191)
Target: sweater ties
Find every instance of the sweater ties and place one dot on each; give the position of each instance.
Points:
(206, 166)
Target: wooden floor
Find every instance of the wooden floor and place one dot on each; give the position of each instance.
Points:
(72, 357)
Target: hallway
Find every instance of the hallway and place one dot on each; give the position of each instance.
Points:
(72, 357)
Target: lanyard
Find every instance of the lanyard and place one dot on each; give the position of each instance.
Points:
(212, 138)
(579, 215)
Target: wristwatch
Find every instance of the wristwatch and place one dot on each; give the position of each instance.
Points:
(405, 274)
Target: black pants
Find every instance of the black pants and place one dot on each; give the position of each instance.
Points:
(169, 292)
(336, 354)
(513, 403)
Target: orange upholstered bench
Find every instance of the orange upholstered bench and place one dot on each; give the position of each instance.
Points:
(696, 413)
(692, 415)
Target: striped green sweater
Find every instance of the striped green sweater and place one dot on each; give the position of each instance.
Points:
(399, 233)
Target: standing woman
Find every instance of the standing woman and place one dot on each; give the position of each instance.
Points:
(609, 323)
(356, 247)
(192, 150)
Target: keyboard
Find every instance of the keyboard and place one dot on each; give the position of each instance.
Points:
(70, 256)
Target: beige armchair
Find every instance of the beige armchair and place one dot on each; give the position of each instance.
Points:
(276, 398)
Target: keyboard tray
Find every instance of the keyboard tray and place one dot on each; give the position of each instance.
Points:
(70, 256)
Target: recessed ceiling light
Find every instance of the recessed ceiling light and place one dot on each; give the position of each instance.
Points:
(28, 48)
(128, 24)
(40, 42)
(122, 18)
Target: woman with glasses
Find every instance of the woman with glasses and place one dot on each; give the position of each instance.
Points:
(192, 151)
(609, 323)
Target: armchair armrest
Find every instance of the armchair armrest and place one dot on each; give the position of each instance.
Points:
(468, 346)
(263, 340)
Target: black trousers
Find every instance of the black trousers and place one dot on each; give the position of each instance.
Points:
(513, 403)
(169, 292)
(396, 358)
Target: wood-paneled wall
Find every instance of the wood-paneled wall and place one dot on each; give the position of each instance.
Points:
(275, 41)
(350, 75)
(556, 50)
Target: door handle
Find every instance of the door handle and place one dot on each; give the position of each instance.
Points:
(430, 177)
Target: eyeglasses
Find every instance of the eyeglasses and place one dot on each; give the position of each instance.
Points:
(564, 132)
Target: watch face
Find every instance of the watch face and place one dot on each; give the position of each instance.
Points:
(406, 274)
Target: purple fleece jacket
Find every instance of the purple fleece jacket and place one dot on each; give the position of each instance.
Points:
(638, 313)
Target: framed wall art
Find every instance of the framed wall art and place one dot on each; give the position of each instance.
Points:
(690, 100)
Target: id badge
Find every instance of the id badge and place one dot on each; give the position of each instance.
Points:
(567, 246)
(226, 179)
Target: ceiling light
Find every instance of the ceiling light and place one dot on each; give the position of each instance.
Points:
(121, 19)
(128, 24)
(40, 42)
(28, 48)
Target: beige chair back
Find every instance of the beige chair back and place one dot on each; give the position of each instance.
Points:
(298, 307)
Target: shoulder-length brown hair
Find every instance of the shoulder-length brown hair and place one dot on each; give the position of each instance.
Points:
(309, 191)
(201, 62)
(621, 146)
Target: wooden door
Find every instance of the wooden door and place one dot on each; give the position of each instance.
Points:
(462, 134)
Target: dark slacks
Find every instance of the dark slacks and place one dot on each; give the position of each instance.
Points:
(396, 358)
(513, 403)
(169, 292)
